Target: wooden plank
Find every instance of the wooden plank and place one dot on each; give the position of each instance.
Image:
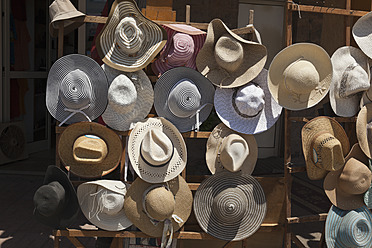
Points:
(251, 16)
(338, 119)
(60, 39)
(192, 134)
(326, 10)
(122, 160)
(297, 241)
(56, 242)
(188, 9)
(243, 30)
(75, 242)
(309, 218)
(348, 20)
(287, 176)
(117, 243)
(296, 169)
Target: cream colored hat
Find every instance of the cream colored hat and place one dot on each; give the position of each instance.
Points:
(366, 97)
(362, 33)
(364, 129)
(300, 76)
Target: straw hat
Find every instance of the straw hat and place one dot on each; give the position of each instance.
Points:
(362, 33)
(182, 96)
(89, 149)
(157, 150)
(230, 206)
(63, 10)
(364, 129)
(366, 97)
(228, 60)
(300, 76)
(102, 203)
(130, 98)
(129, 41)
(249, 109)
(56, 203)
(324, 145)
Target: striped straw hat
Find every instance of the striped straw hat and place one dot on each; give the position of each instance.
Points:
(129, 41)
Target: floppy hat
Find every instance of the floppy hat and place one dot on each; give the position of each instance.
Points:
(184, 97)
(324, 145)
(157, 150)
(89, 150)
(102, 203)
(248, 109)
(76, 89)
(232, 151)
(228, 60)
(300, 76)
(230, 206)
(129, 41)
(351, 77)
(364, 129)
(362, 33)
(56, 203)
(130, 98)
(345, 188)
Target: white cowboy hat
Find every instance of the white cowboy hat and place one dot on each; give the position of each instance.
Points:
(362, 33)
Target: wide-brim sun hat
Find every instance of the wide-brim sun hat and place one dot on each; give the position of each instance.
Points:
(364, 129)
(248, 109)
(300, 76)
(362, 33)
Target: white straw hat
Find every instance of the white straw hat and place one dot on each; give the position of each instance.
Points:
(362, 33)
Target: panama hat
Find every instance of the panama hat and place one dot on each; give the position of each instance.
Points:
(130, 98)
(56, 203)
(362, 33)
(300, 76)
(184, 97)
(351, 77)
(324, 145)
(129, 41)
(364, 129)
(183, 44)
(228, 60)
(157, 150)
(89, 150)
(248, 109)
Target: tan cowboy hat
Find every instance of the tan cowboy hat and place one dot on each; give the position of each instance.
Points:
(228, 60)
(345, 188)
(89, 149)
(300, 76)
(364, 129)
(324, 145)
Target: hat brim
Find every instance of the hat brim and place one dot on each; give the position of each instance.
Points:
(68, 17)
(364, 117)
(362, 35)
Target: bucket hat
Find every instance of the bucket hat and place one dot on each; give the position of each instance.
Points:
(362, 33)
(364, 129)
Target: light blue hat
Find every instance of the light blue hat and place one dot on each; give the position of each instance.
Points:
(368, 194)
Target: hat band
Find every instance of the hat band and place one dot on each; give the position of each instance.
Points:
(237, 109)
(197, 113)
(75, 111)
(156, 166)
(317, 158)
(345, 75)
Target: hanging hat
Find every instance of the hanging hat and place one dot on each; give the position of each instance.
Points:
(348, 228)
(366, 97)
(325, 145)
(228, 60)
(183, 44)
(89, 150)
(56, 203)
(232, 151)
(63, 10)
(364, 129)
(130, 98)
(351, 77)
(362, 33)
(300, 76)
(184, 97)
(230, 206)
(129, 41)
(248, 109)
(76, 89)
(102, 203)
(157, 150)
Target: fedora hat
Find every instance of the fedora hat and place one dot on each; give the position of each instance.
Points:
(248, 109)
(76, 89)
(130, 98)
(129, 41)
(324, 145)
(362, 31)
(300, 76)
(351, 77)
(102, 203)
(183, 44)
(228, 60)
(157, 150)
(364, 129)
(345, 188)
(56, 203)
(230, 206)
(184, 97)
(89, 150)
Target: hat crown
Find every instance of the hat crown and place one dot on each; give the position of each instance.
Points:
(59, 7)
(228, 53)
(89, 149)
(234, 151)
(355, 178)
(355, 230)
(49, 199)
(156, 148)
(122, 94)
(181, 51)
(160, 203)
(111, 202)
(128, 36)
(249, 100)
(353, 80)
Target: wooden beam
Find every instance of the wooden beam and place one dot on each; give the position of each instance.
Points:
(75, 242)
(309, 218)
(338, 119)
(60, 39)
(326, 10)
(188, 17)
(297, 241)
(348, 20)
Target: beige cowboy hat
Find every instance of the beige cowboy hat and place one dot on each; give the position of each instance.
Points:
(364, 129)
(300, 76)
(89, 150)
(324, 145)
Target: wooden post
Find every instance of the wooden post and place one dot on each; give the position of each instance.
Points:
(60, 39)
(348, 20)
(251, 16)
(188, 9)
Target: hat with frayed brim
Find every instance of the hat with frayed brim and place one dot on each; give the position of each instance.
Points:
(362, 33)
(364, 129)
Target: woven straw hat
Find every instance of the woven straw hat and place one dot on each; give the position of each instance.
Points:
(228, 60)
(230, 206)
(76, 89)
(157, 150)
(351, 77)
(300, 76)
(130, 98)
(102, 203)
(89, 150)
(324, 145)
(249, 109)
(364, 129)
(362, 33)
(182, 96)
(129, 41)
